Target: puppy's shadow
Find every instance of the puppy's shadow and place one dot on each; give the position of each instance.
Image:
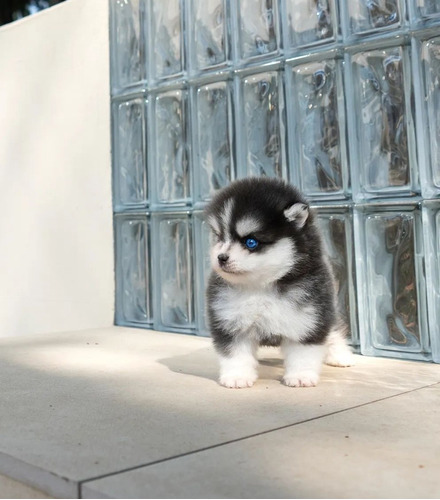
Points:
(203, 363)
(199, 363)
(270, 368)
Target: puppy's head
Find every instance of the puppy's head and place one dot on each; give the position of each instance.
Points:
(257, 226)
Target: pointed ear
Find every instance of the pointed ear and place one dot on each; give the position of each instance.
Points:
(297, 213)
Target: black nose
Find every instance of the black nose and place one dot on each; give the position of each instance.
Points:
(223, 257)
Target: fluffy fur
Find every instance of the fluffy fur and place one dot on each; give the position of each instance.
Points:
(280, 293)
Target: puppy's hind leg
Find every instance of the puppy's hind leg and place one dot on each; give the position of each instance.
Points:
(238, 366)
(338, 351)
(303, 363)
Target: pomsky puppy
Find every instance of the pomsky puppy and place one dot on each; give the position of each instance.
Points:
(271, 284)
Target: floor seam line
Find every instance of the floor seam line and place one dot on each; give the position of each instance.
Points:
(262, 433)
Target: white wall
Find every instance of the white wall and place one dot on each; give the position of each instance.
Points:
(56, 242)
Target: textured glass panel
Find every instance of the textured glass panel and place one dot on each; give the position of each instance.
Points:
(309, 22)
(166, 49)
(202, 240)
(437, 234)
(431, 229)
(431, 53)
(176, 285)
(210, 36)
(214, 149)
(435, 291)
(264, 133)
(127, 47)
(335, 240)
(428, 8)
(372, 15)
(315, 88)
(382, 121)
(392, 288)
(132, 279)
(258, 27)
(129, 152)
(172, 173)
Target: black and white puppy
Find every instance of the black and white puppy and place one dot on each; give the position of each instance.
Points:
(271, 284)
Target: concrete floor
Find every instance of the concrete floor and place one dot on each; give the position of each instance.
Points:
(127, 413)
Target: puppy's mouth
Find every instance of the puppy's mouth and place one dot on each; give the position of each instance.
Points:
(228, 270)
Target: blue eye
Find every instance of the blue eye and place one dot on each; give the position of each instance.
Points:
(251, 243)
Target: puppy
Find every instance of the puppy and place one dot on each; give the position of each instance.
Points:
(271, 284)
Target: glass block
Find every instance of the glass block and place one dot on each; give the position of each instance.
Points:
(369, 16)
(320, 157)
(213, 155)
(309, 22)
(208, 20)
(431, 60)
(386, 162)
(258, 30)
(166, 41)
(431, 230)
(202, 269)
(173, 272)
(263, 144)
(171, 159)
(428, 8)
(392, 284)
(127, 43)
(336, 228)
(129, 153)
(132, 270)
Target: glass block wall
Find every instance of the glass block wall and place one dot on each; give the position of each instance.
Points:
(341, 98)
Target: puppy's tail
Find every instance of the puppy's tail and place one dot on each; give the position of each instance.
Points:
(338, 351)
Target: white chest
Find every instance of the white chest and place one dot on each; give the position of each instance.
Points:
(264, 313)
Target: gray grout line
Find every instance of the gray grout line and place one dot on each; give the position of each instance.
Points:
(262, 433)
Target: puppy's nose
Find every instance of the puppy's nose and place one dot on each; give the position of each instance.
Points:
(223, 258)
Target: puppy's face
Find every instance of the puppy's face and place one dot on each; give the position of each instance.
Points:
(254, 247)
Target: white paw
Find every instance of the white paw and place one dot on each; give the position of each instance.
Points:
(338, 351)
(305, 378)
(237, 382)
(339, 358)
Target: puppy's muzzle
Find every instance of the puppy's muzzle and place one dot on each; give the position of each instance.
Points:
(222, 258)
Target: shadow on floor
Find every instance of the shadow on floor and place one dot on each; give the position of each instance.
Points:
(200, 363)
(203, 363)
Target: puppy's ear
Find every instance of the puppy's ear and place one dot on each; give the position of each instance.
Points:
(297, 213)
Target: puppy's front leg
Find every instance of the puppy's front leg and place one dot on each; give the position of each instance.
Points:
(238, 364)
(303, 363)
